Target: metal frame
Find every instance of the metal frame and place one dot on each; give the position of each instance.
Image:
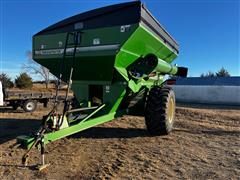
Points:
(85, 123)
(109, 65)
(28, 141)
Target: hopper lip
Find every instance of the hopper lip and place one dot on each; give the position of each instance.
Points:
(154, 26)
(89, 14)
(145, 8)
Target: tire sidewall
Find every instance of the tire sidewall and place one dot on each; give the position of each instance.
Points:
(30, 106)
(170, 123)
(157, 110)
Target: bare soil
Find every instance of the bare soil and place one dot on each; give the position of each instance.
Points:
(205, 144)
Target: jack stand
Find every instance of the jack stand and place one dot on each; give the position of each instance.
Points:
(42, 165)
(38, 138)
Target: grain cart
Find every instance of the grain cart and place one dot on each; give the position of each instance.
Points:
(107, 56)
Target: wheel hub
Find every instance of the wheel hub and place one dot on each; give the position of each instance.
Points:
(171, 108)
(30, 106)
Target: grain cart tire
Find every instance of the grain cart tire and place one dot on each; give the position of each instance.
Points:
(29, 106)
(160, 110)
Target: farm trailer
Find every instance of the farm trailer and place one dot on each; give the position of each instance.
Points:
(27, 100)
(107, 56)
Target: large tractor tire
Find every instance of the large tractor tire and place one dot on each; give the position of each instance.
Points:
(160, 110)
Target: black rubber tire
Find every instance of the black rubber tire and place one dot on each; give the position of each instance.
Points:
(159, 119)
(29, 106)
(15, 106)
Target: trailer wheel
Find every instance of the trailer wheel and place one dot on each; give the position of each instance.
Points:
(29, 106)
(15, 106)
(160, 110)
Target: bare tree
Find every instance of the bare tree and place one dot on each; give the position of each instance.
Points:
(34, 68)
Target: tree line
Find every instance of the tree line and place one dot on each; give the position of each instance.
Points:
(220, 73)
(22, 81)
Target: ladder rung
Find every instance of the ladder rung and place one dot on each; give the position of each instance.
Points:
(69, 52)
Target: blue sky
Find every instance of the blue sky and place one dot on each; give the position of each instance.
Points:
(207, 30)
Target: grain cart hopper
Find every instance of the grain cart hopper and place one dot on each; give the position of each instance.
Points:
(107, 56)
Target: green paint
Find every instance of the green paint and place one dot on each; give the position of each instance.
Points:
(104, 70)
(141, 43)
(118, 101)
(77, 128)
(26, 141)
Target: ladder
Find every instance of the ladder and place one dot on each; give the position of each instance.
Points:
(39, 139)
(68, 55)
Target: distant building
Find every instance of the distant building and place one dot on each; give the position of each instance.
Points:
(208, 90)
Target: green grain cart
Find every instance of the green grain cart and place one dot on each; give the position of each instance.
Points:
(108, 57)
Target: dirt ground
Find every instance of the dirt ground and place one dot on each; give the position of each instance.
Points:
(205, 144)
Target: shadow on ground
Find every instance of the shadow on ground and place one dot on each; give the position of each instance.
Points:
(108, 132)
(10, 110)
(10, 128)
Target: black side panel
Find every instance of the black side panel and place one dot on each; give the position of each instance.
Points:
(120, 14)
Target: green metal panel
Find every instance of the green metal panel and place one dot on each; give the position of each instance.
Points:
(113, 95)
(103, 62)
(27, 141)
(48, 51)
(81, 91)
(137, 42)
(48, 42)
(93, 66)
(78, 127)
(107, 35)
(141, 43)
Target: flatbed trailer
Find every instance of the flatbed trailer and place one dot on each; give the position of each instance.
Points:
(27, 100)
